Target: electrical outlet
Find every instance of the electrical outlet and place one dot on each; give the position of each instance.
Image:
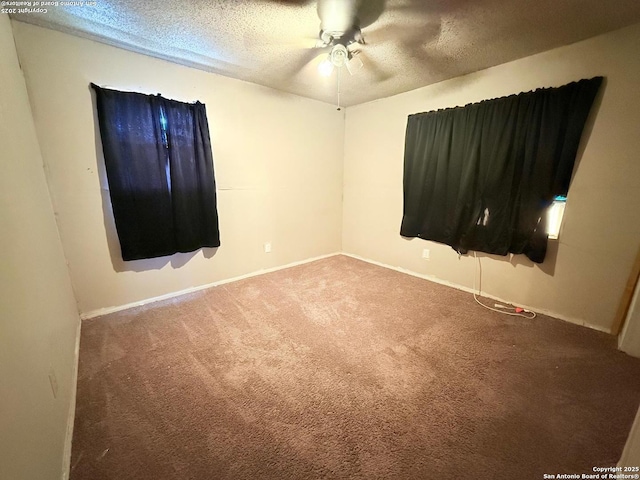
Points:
(267, 247)
(426, 254)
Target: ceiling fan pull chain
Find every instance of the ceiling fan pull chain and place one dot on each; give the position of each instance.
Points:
(338, 75)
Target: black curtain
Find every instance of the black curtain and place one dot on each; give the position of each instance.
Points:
(481, 177)
(160, 171)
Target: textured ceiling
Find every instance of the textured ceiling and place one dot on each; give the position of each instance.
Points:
(409, 44)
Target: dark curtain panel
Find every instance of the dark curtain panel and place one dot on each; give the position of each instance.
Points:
(193, 189)
(481, 177)
(160, 172)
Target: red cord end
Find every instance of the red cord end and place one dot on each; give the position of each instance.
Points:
(519, 310)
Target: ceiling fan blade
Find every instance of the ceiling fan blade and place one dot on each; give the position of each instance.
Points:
(403, 33)
(302, 60)
(255, 42)
(293, 3)
(379, 73)
(420, 7)
(337, 16)
(369, 11)
(354, 64)
(433, 61)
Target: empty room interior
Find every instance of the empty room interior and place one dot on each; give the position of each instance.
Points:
(330, 239)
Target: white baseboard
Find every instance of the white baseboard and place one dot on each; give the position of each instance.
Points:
(66, 459)
(431, 278)
(104, 311)
(435, 279)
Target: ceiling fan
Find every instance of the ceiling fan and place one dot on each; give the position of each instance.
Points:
(342, 42)
(339, 29)
(340, 36)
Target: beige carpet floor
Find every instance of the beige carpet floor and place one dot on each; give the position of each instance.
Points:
(341, 369)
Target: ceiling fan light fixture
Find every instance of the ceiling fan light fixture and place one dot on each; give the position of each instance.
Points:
(339, 55)
(325, 68)
(354, 64)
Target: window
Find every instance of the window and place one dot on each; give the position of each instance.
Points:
(481, 177)
(159, 165)
(555, 213)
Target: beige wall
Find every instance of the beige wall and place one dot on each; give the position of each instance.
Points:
(38, 316)
(599, 238)
(278, 166)
(629, 340)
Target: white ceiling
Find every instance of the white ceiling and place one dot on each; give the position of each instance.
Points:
(409, 43)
